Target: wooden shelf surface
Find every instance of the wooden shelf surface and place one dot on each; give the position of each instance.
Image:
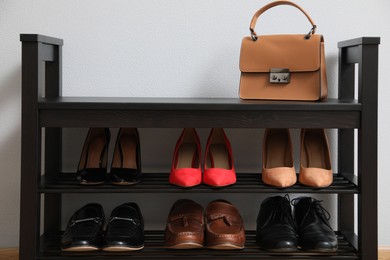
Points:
(165, 103)
(196, 112)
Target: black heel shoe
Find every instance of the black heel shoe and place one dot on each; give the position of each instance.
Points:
(92, 167)
(126, 162)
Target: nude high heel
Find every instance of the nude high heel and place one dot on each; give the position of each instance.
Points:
(278, 163)
(316, 168)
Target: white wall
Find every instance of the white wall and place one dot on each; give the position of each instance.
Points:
(167, 48)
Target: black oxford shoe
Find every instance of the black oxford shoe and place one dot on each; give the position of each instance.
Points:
(314, 231)
(85, 229)
(125, 229)
(275, 225)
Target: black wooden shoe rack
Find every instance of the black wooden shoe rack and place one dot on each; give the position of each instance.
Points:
(45, 112)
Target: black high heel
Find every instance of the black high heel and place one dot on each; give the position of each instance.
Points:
(92, 167)
(126, 162)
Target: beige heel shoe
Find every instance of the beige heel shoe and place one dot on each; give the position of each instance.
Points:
(278, 164)
(316, 168)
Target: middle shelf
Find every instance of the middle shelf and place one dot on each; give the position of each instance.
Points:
(159, 183)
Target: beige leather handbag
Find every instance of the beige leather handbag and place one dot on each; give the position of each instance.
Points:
(283, 67)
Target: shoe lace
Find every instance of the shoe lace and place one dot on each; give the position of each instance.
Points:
(281, 212)
(315, 206)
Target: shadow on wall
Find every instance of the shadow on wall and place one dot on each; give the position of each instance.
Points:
(218, 70)
(332, 66)
(10, 125)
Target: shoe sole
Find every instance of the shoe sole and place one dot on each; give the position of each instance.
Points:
(124, 183)
(321, 250)
(121, 248)
(187, 245)
(281, 250)
(91, 183)
(226, 246)
(80, 249)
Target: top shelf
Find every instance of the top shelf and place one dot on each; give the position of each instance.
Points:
(231, 104)
(196, 112)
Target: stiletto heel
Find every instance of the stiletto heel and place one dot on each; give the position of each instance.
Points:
(186, 168)
(219, 165)
(92, 167)
(316, 168)
(126, 162)
(278, 164)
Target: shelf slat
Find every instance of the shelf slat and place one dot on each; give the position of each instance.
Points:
(159, 183)
(154, 249)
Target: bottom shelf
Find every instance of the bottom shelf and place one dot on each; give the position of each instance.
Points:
(154, 250)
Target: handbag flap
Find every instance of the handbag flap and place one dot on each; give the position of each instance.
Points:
(292, 52)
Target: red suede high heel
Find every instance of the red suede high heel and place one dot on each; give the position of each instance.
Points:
(186, 164)
(219, 165)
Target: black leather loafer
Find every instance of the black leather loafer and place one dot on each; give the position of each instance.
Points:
(85, 229)
(125, 230)
(275, 225)
(314, 231)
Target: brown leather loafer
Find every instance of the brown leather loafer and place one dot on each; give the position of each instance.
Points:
(185, 225)
(224, 226)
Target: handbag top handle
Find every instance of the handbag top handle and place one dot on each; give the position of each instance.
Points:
(273, 4)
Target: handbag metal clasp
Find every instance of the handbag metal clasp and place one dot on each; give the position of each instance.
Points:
(279, 76)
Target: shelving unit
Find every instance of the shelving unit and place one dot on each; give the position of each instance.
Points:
(44, 110)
